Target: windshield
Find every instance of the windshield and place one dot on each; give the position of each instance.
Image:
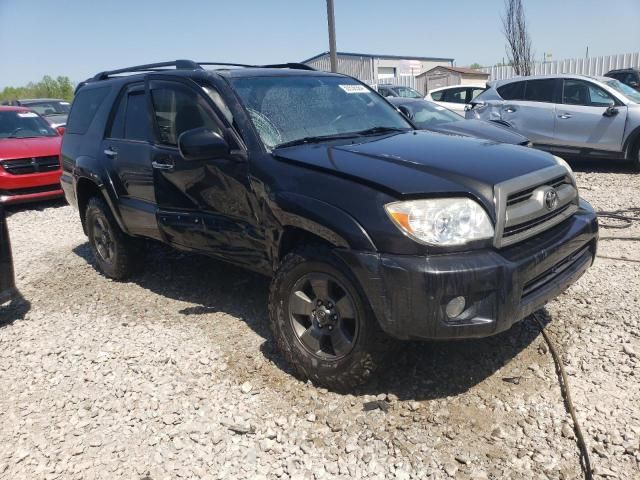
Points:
(49, 108)
(407, 92)
(24, 124)
(290, 108)
(625, 90)
(427, 115)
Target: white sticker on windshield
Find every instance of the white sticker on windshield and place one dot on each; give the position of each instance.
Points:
(27, 115)
(439, 108)
(354, 88)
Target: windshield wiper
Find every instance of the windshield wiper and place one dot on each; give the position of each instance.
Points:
(378, 130)
(316, 139)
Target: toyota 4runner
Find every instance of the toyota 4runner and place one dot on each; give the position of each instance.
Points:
(367, 226)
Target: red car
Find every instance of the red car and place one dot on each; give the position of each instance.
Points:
(29, 157)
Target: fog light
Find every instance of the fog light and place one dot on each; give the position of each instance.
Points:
(455, 307)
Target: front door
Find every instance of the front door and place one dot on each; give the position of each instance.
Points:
(582, 120)
(204, 205)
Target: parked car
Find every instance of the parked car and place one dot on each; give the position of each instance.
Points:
(628, 76)
(54, 110)
(398, 91)
(7, 281)
(431, 116)
(572, 115)
(455, 97)
(29, 157)
(365, 224)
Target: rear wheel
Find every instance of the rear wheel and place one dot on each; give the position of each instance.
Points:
(635, 156)
(322, 322)
(116, 255)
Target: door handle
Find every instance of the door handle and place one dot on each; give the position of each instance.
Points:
(162, 165)
(109, 152)
(565, 115)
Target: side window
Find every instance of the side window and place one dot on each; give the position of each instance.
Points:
(136, 120)
(437, 96)
(385, 92)
(512, 91)
(476, 91)
(84, 109)
(456, 95)
(579, 92)
(540, 90)
(178, 109)
(117, 123)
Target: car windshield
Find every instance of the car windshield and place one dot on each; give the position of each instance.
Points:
(625, 90)
(290, 109)
(49, 107)
(426, 115)
(23, 124)
(407, 92)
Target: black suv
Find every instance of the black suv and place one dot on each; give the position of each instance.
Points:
(367, 226)
(628, 76)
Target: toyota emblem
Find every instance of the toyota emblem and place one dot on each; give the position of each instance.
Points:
(551, 199)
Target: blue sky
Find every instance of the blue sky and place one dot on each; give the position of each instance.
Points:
(80, 37)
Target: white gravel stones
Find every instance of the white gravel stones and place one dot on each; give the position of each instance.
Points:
(173, 375)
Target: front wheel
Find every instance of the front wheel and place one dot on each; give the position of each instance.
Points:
(635, 157)
(322, 322)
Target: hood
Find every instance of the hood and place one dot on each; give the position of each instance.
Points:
(12, 148)
(56, 120)
(481, 129)
(423, 163)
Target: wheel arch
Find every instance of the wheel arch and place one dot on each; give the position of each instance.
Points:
(87, 188)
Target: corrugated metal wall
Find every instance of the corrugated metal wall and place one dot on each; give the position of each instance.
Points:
(359, 67)
(585, 66)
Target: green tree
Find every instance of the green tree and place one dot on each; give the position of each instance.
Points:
(475, 65)
(48, 87)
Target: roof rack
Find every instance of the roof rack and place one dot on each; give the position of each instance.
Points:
(191, 65)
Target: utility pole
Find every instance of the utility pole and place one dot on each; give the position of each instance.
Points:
(332, 36)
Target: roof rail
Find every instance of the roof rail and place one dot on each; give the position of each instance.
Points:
(191, 65)
(150, 67)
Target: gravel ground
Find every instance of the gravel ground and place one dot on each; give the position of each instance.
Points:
(174, 375)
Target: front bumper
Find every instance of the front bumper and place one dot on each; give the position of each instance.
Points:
(409, 294)
(29, 187)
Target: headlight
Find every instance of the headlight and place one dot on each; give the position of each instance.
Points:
(441, 221)
(563, 162)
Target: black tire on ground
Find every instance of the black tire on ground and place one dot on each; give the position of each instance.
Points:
(339, 348)
(117, 256)
(635, 156)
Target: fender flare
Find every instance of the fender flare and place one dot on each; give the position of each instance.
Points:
(631, 140)
(323, 220)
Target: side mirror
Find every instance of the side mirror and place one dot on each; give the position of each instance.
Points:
(60, 130)
(202, 144)
(405, 111)
(610, 111)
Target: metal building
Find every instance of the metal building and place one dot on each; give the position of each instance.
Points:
(373, 68)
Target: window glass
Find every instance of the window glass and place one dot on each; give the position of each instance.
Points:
(540, 90)
(512, 91)
(136, 123)
(385, 92)
(476, 91)
(117, 124)
(23, 124)
(578, 92)
(437, 96)
(455, 95)
(84, 108)
(625, 90)
(427, 115)
(290, 108)
(49, 108)
(407, 92)
(178, 109)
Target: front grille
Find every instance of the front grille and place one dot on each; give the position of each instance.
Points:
(23, 166)
(523, 209)
(547, 276)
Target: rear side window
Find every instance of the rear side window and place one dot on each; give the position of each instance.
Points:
(437, 96)
(136, 123)
(455, 95)
(84, 109)
(512, 91)
(540, 90)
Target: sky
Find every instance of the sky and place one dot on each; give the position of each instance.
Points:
(78, 38)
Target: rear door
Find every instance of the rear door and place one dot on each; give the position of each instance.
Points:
(531, 108)
(582, 119)
(126, 149)
(455, 99)
(204, 205)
